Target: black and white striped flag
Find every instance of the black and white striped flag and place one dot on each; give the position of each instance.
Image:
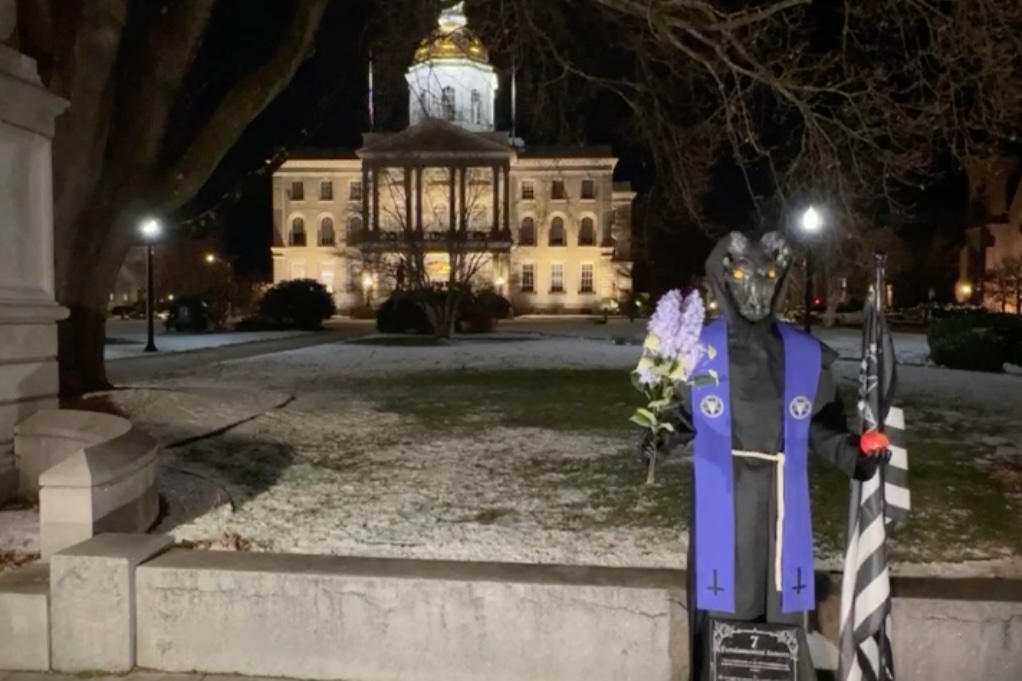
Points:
(877, 505)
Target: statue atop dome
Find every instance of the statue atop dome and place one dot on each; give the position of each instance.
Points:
(452, 39)
(453, 18)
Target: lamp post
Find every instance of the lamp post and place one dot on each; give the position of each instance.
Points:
(367, 288)
(500, 285)
(150, 232)
(811, 223)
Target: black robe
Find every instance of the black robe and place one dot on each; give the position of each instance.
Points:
(756, 359)
(756, 365)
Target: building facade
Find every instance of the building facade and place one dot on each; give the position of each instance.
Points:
(994, 237)
(548, 228)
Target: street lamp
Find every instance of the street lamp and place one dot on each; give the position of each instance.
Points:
(811, 224)
(150, 230)
(367, 288)
(210, 258)
(500, 285)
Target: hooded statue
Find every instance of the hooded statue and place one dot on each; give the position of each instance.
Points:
(750, 552)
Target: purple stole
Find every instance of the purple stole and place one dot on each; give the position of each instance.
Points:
(715, 545)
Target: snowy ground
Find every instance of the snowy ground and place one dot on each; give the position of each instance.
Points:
(128, 338)
(490, 449)
(911, 347)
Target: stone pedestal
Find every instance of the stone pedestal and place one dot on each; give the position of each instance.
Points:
(28, 312)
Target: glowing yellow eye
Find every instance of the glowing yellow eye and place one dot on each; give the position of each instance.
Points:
(738, 273)
(772, 273)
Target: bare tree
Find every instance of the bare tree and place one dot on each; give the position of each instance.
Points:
(441, 263)
(845, 104)
(1004, 285)
(118, 156)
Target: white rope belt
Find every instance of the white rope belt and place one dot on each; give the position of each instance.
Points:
(779, 529)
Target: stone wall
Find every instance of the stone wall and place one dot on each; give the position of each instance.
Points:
(328, 617)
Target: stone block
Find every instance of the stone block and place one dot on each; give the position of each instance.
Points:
(94, 473)
(25, 619)
(326, 617)
(92, 591)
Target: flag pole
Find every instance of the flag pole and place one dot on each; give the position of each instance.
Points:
(372, 113)
(879, 292)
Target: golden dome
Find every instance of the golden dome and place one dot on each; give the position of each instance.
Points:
(452, 39)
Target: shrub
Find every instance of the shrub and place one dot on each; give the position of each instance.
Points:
(1007, 328)
(401, 313)
(299, 304)
(481, 310)
(970, 350)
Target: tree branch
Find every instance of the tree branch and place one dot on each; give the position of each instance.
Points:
(166, 53)
(242, 104)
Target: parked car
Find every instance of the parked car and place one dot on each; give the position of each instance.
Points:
(133, 311)
(188, 313)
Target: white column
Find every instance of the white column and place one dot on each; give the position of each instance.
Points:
(28, 311)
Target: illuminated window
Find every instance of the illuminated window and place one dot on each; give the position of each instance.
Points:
(447, 102)
(354, 227)
(586, 232)
(297, 232)
(557, 278)
(297, 270)
(326, 277)
(585, 282)
(527, 232)
(326, 232)
(557, 190)
(326, 190)
(588, 189)
(355, 191)
(477, 108)
(528, 278)
(528, 190)
(557, 237)
(297, 191)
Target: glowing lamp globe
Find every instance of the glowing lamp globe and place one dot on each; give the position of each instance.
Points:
(812, 221)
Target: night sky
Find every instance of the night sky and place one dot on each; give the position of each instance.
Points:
(325, 107)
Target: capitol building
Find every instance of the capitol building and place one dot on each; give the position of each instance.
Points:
(548, 229)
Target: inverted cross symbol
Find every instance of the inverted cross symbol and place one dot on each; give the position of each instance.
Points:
(715, 587)
(799, 585)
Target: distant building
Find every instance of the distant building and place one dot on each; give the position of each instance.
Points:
(129, 288)
(995, 231)
(554, 227)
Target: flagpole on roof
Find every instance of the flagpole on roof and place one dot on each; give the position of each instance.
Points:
(372, 114)
(514, 77)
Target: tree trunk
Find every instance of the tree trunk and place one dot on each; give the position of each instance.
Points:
(86, 273)
(81, 342)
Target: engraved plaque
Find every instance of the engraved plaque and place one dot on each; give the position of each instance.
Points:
(742, 651)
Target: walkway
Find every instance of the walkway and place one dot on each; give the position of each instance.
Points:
(128, 370)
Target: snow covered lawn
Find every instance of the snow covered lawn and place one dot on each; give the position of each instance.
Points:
(519, 450)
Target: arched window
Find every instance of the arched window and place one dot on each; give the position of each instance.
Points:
(527, 232)
(557, 237)
(441, 216)
(326, 232)
(447, 107)
(586, 232)
(477, 108)
(607, 239)
(354, 227)
(297, 232)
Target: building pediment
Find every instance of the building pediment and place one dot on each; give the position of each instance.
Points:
(435, 139)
